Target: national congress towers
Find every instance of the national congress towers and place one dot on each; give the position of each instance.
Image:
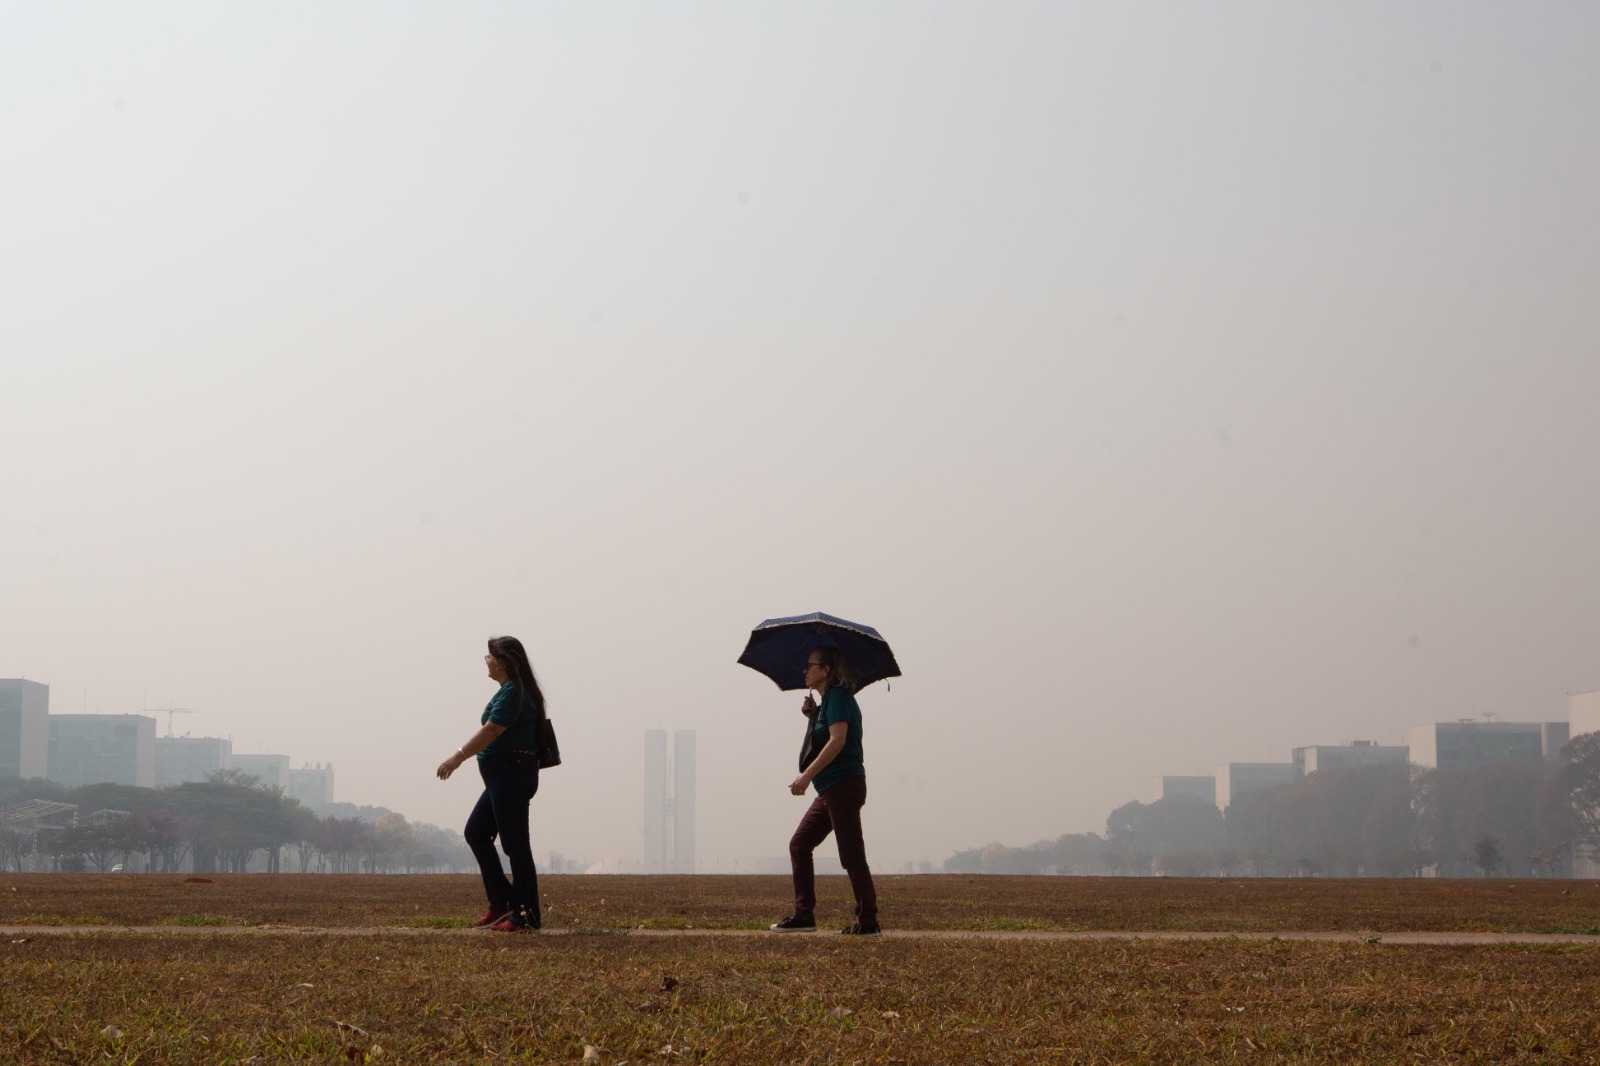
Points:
(669, 803)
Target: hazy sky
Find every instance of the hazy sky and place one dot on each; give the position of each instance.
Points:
(1169, 383)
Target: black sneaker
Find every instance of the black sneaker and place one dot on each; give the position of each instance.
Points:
(857, 929)
(794, 925)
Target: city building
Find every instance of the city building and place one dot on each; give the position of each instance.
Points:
(683, 802)
(669, 803)
(1202, 787)
(1314, 757)
(1554, 737)
(1583, 713)
(270, 771)
(1471, 743)
(181, 759)
(24, 728)
(1234, 779)
(311, 785)
(87, 749)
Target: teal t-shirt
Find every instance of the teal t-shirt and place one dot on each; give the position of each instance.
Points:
(520, 717)
(839, 706)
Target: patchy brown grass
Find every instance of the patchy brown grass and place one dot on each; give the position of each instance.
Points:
(916, 902)
(394, 998)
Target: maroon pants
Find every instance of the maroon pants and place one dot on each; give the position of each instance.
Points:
(836, 811)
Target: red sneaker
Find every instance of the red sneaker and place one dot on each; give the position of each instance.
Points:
(511, 923)
(490, 916)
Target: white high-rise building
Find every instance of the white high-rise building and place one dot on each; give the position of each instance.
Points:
(89, 749)
(1234, 779)
(1583, 712)
(1472, 743)
(268, 770)
(311, 785)
(24, 728)
(683, 801)
(669, 803)
(1356, 754)
(1196, 786)
(184, 759)
(657, 850)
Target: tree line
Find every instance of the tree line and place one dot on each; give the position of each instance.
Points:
(1516, 817)
(227, 823)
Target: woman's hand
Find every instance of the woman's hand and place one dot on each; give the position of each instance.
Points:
(809, 707)
(837, 732)
(479, 741)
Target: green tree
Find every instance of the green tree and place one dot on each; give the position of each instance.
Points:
(1488, 854)
(1077, 854)
(164, 838)
(1581, 780)
(23, 789)
(999, 859)
(1502, 800)
(1435, 797)
(15, 847)
(1126, 850)
(1390, 845)
(127, 837)
(342, 841)
(969, 861)
(104, 796)
(97, 844)
(1178, 835)
(226, 822)
(1261, 827)
(448, 850)
(390, 842)
(1336, 807)
(302, 835)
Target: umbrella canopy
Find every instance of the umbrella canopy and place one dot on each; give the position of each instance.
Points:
(778, 648)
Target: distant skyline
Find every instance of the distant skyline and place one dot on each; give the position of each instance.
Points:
(655, 806)
(1168, 385)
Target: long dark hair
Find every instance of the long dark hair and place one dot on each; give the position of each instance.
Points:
(838, 672)
(514, 657)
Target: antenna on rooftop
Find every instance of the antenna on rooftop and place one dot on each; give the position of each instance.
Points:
(169, 710)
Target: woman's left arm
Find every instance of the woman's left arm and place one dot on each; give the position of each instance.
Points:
(838, 733)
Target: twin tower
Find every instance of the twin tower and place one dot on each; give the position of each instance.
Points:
(668, 803)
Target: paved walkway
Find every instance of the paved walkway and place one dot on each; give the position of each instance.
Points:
(15, 932)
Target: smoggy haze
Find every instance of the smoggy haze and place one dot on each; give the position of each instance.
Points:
(1169, 384)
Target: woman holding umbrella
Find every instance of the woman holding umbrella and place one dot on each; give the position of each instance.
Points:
(507, 749)
(832, 762)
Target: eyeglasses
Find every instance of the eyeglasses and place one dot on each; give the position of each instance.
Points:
(817, 666)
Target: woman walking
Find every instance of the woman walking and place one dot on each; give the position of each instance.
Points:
(832, 761)
(507, 748)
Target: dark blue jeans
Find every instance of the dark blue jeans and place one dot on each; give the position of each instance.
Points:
(509, 781)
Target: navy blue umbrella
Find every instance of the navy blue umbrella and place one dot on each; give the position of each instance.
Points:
(779, 646)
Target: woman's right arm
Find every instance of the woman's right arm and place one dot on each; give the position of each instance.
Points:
(480, 740)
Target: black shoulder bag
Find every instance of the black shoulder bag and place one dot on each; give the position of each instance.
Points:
(549, 750)
(809, 749)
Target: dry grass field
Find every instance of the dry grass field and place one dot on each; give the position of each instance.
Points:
(917, 902)
(402, 992)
